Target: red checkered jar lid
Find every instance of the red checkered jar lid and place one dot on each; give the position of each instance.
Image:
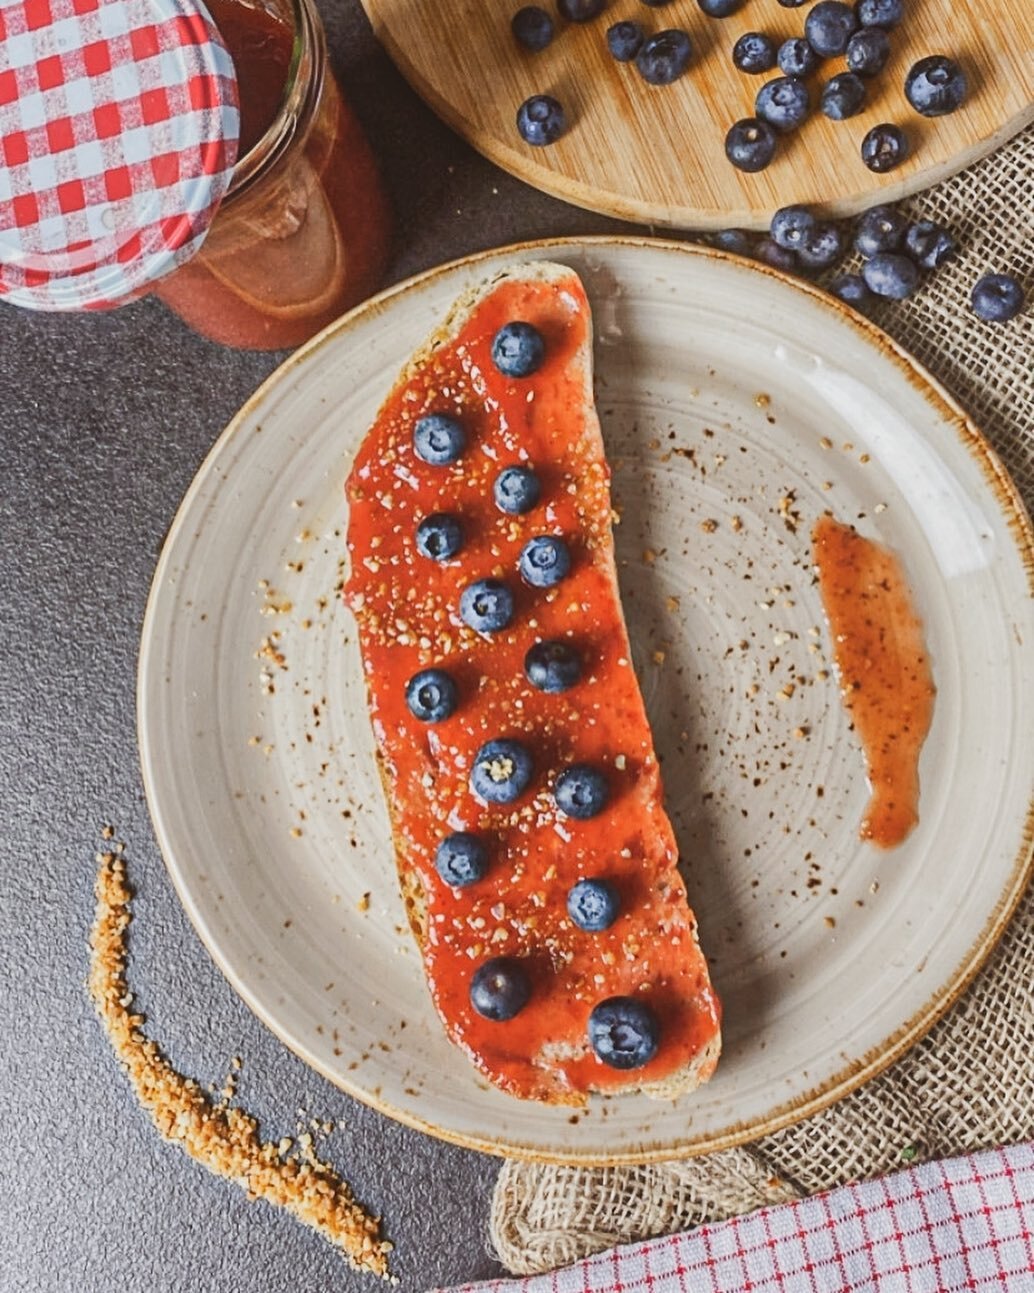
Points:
(118, 136)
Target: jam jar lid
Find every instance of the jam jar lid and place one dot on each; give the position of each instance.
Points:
(119, 126)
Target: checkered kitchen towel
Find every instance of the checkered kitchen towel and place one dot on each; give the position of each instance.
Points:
(961, 1224)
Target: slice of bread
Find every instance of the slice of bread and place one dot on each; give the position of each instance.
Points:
(408, 609)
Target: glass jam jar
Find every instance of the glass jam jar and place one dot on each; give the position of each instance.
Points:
(303, 232)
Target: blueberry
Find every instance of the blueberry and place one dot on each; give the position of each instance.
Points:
(624, 1032)
(880, 13)
(439, 439)
(850, 288)
(541, 120)
(544, 561)
(935, 86)
(624, 40)
(783, 103)
(879, 229)
(461, 859)
(593, 905)
(516, 490)
(790, 226)
(518, 349)
(770, 253)
(486, 606)
(829, 26)
(439, 536)
(664, 57)
(579, 10)
(867, 51)
(997, 298)
(431, 696)
(737, 241)
(929, 244)
(552, 666)
(501, 772)
(754, 53)
(822, 247)
(796, 57)
(843, 96)
(499, 989)
(719, 8)
(792, 4)
(656, 4)
(750, 144)
(532, 27)
(890, 274)
(884, 147)
(581, 791)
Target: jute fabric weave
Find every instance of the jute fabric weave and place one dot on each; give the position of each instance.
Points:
(969, 1084)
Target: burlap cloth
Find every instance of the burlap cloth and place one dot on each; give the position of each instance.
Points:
(970, 1083)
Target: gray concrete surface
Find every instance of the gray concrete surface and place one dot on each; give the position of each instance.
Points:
(103, 422)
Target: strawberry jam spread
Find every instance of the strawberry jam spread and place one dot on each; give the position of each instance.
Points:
(884, 670)
(408, 607)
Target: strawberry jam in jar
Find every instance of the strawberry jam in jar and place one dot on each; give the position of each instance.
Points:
(304, 229)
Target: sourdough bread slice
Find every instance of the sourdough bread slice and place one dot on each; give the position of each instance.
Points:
(407, 608)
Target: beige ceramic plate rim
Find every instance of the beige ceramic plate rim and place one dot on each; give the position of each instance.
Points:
(854, 1074)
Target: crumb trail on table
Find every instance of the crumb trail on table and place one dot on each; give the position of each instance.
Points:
(225, 1140)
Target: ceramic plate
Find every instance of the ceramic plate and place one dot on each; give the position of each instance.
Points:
(736, 407)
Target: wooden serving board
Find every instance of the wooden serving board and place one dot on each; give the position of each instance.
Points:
(655, 154)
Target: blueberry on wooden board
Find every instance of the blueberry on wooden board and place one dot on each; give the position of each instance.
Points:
(843, 96)
(541, 120)
(783, 103)
(664, 57)
(796, 57)
(884, 147)
(719, 8)
(880, 13)
(754, 53)
(867, 51)
(935, 86)
(579, 10)
(624, 40)
(829, 26)
(532, 27)
(750, 144)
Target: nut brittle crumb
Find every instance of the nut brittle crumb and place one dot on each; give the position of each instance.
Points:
(222, 1138)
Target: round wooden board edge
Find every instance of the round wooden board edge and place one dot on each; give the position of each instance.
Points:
(621, 207)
